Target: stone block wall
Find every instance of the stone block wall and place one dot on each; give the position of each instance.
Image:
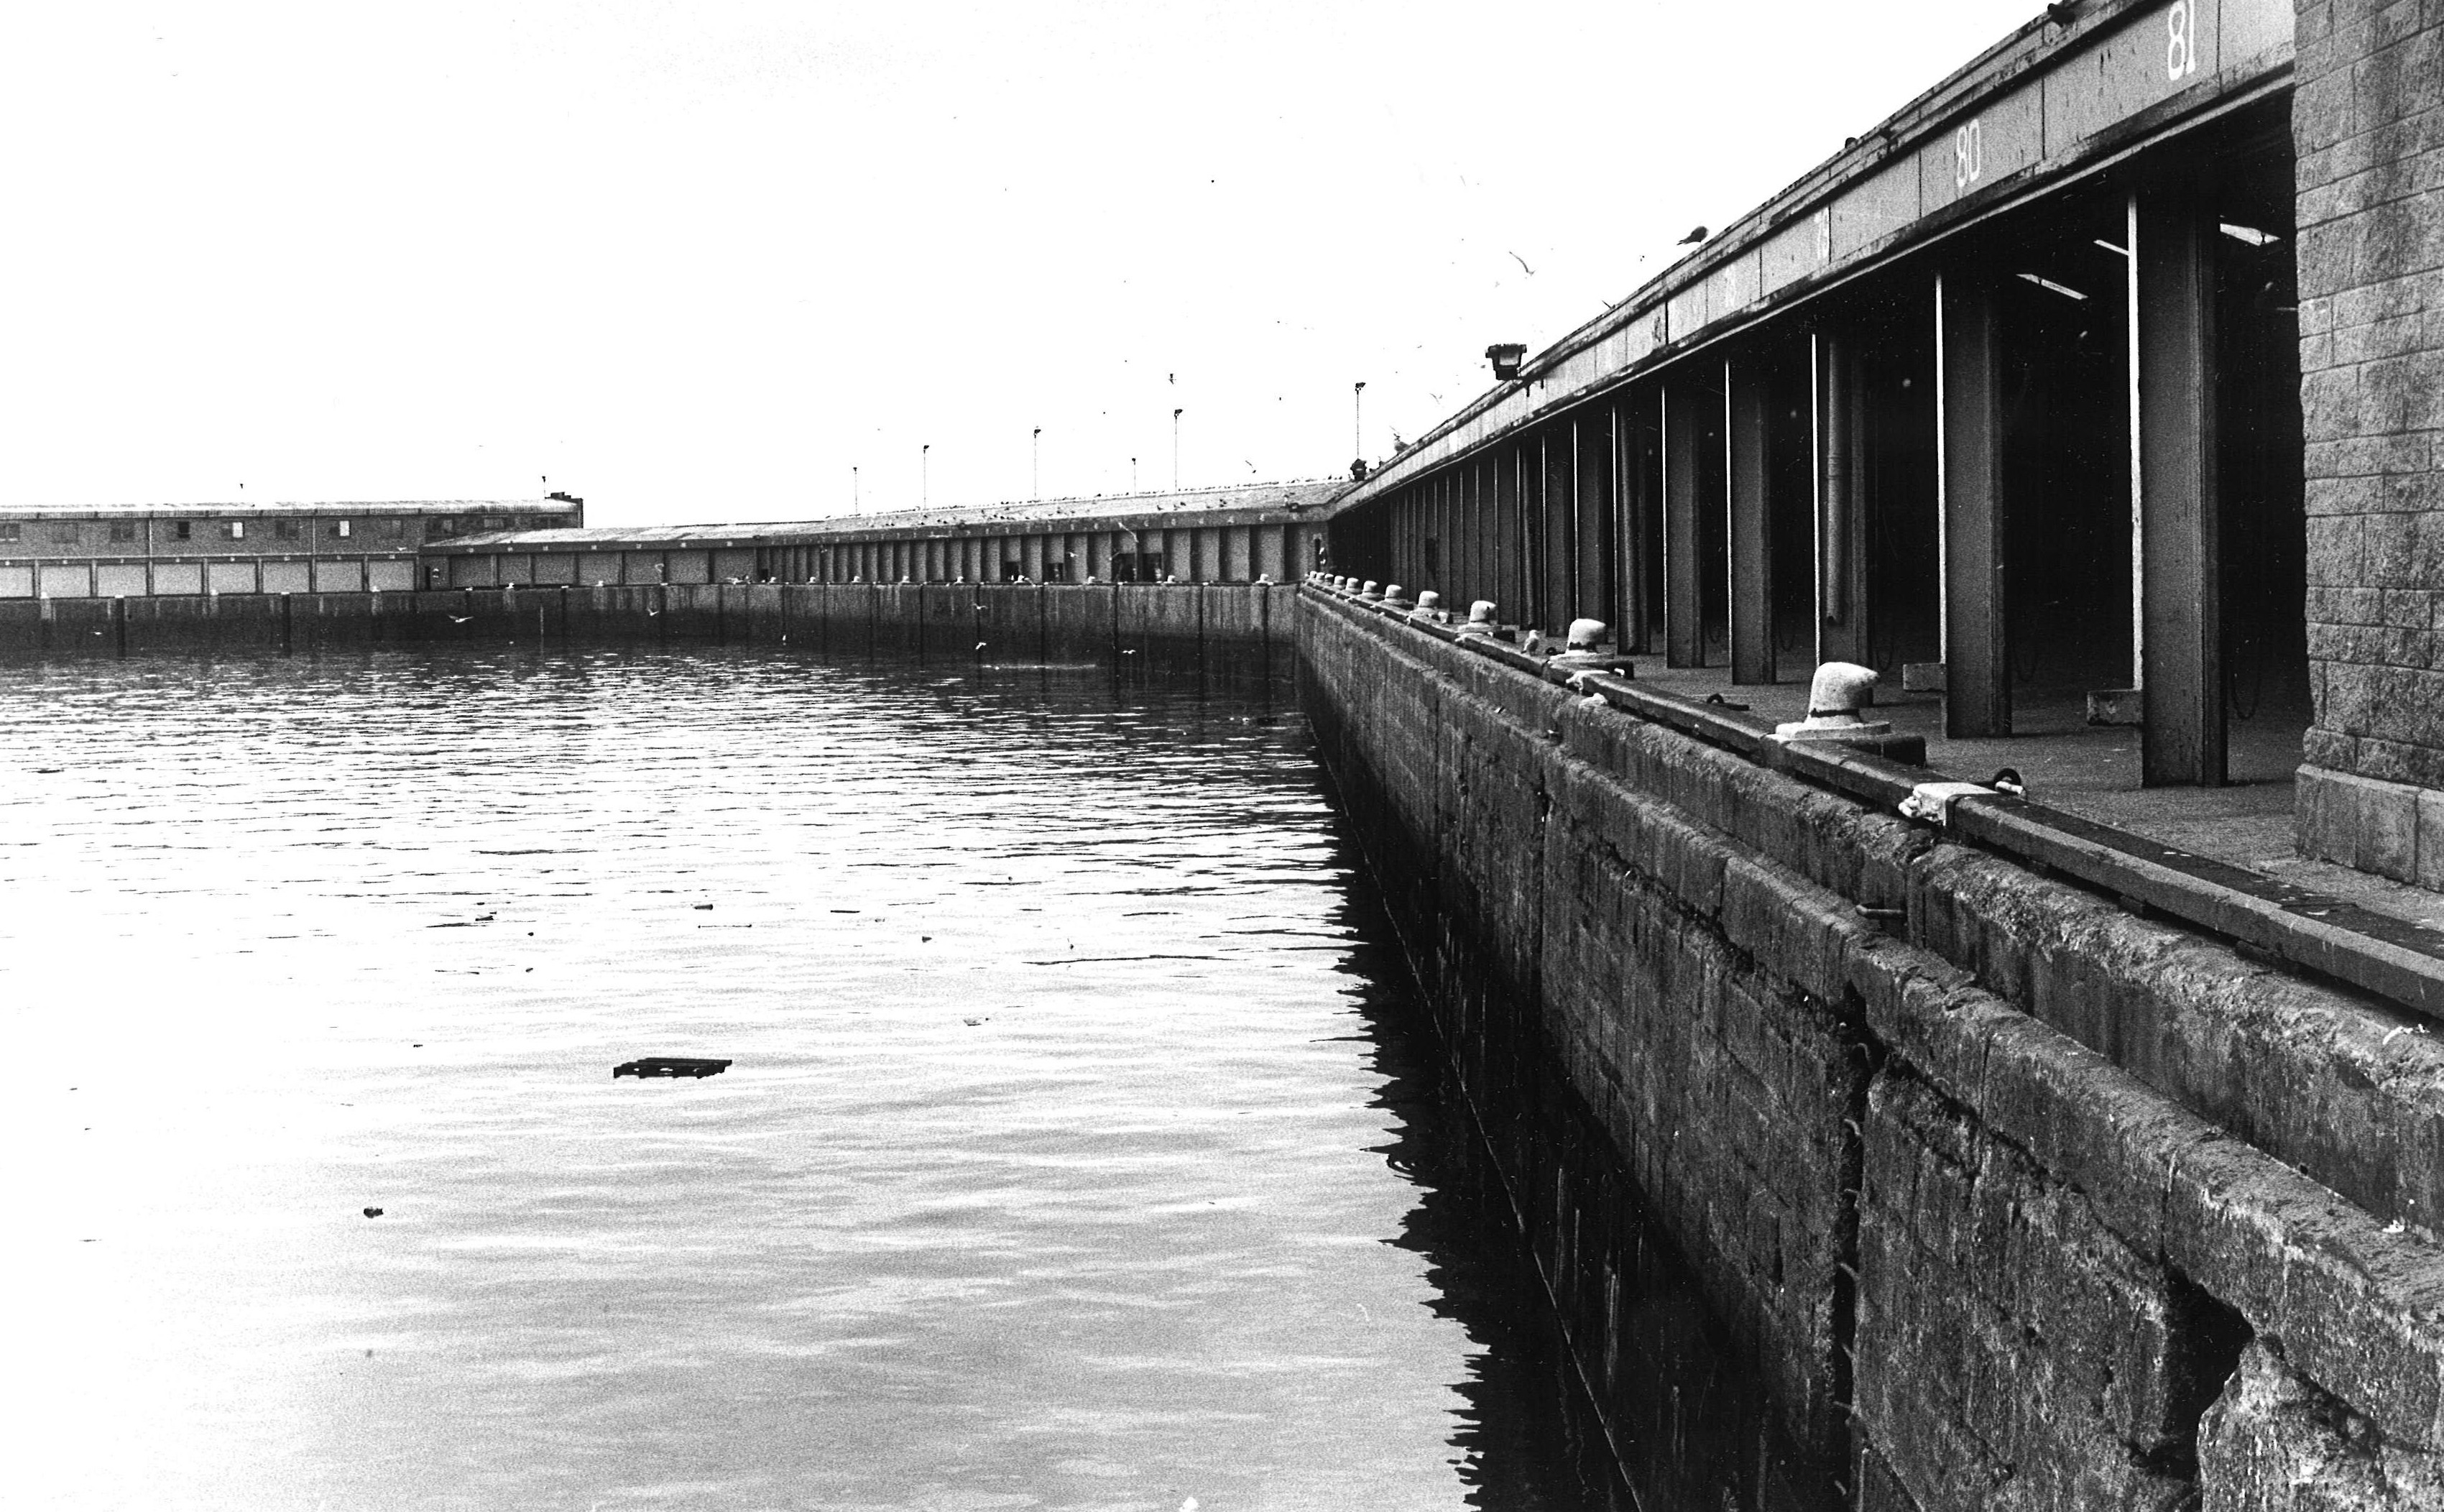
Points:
(2022, 1203)
(2368, 129)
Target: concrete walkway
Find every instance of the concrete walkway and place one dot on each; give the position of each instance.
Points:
(2093, 772)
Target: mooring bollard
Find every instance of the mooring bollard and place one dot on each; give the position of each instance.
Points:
(1480, 618)
(1840, 688)
(1588, 648)
(1430, 607)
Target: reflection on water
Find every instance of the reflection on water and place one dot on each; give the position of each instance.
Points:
(1081, 1150)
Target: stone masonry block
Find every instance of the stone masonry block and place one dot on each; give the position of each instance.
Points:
(2337, 552)
(2415, 761)
(2359, 1308)
(2329, 749)
(2329, 400)
(2031, 1360)
(2428, 848)
(2273, 1442)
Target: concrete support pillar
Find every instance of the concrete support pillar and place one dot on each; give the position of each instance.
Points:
(1557, 467)
(1472, 579)
(1684, 637)
(1510, 535)
(1842, 607)
(1592, 469)
(1752, 524)
(2181, 610)
(1641, 472)
(1977, 669)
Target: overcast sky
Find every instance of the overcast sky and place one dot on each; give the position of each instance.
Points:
(697, 261)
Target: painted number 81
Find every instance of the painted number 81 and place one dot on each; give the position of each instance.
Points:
(2181, 51)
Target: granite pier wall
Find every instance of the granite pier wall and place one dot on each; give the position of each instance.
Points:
(1231, 626)
(1868, 1169)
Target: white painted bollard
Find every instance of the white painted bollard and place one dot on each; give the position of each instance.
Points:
(1840, 690)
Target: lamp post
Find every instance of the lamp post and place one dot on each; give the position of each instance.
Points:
(856, 500)
(925, 475)
(1174, 448)
(1035, 474)
(1358, 420)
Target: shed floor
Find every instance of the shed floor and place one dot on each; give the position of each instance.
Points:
(2093, 772)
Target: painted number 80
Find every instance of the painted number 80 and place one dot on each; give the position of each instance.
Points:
(1967, 154)
(2181, 51)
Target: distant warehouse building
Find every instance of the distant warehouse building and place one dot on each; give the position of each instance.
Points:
(135, 550)
(1197, 535)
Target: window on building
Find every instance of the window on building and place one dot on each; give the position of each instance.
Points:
(122, 530)
(393, 530)
(64, 534)
(11, 532)
(436, 527)
(339, 529)
(285, 529)
(182, 530)
(236, 529)
(493, 524)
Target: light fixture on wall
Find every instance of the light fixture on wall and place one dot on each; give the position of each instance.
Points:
(1506, 357)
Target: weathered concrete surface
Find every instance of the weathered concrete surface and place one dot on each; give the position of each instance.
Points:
(1991, 1206)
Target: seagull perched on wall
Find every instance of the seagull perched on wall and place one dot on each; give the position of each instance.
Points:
(1692, 238)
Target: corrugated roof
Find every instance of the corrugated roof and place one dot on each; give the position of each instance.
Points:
(1294, 498)
(254, 508)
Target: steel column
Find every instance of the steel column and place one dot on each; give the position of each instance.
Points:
(1593, 470)
(2180, 591)
(1684, 637)
(1751, 525)
(1977, 675)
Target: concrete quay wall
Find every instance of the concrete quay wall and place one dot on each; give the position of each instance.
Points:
(1995, 1196)
(999, 623)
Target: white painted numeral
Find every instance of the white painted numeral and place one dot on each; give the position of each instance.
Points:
(2181, 51)
(1967, 154)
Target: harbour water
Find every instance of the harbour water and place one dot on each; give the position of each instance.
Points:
(1081, 1148)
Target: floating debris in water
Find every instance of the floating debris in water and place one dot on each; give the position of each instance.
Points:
(373, 1212)
(669, 1065)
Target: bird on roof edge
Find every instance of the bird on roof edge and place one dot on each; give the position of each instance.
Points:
(1692, 238)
